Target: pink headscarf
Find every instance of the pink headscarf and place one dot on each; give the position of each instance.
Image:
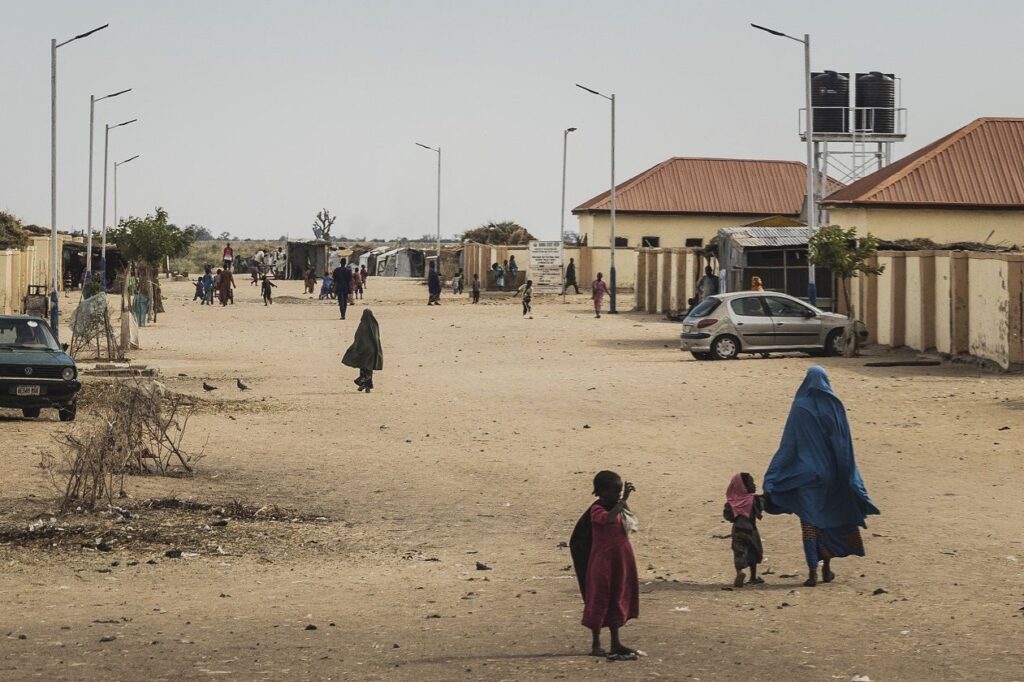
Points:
(739, 498)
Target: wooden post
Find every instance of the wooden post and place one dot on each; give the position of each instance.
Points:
(959, 302)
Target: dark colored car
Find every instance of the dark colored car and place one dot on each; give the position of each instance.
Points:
(35, 372)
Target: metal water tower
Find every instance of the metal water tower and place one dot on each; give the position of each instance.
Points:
(852, 141)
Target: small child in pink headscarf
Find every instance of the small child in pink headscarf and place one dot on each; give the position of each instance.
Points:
(743, 508)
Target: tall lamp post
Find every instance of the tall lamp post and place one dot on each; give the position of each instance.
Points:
(116, 164)
(438, 150)
(611, 272)
(103, 234)
(92, 117)
(812, 205)
(55, 279)
(561, 235)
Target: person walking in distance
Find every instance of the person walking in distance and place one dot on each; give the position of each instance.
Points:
(598, 290)
(365, 353)
(707, 285)
(342, 285)
(229, 257)
(570, 277)
(266, 287)
(527, 291)
(433, 286)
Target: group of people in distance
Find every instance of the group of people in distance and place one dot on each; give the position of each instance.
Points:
(813, 475)
(220, 284)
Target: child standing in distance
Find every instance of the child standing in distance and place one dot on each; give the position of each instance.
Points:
(598, 290)
(475, 288)
(200, 290)
(743, 508)
(357, 282)
(527, 291)
(326, 286)
(267, 286)
(605, 565)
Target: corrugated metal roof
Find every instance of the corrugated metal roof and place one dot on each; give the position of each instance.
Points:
(978, 166)
(722, 186)
(749, 237)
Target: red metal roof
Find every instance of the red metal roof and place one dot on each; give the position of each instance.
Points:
(723, 186)
(978, 166)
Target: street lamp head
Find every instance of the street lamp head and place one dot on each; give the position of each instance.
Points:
(770, 30)
(89, 33)
(570, 130)
(121, 163)
(115, 94)
(121, 124)
(593, 92)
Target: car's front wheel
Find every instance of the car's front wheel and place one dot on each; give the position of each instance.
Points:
(725, 347)
(834, 342)
(30, 412)
(68, 412)
(700, 356)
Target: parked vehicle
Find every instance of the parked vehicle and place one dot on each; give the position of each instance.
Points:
(723, 326)
(35, 372)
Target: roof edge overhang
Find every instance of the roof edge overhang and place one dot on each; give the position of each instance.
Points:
(911, 205)
(605, 211)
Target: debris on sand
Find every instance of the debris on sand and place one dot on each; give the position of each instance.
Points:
(480, 566)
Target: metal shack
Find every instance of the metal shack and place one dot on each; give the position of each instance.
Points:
(778, 255)
(401, 262)
(302, 255)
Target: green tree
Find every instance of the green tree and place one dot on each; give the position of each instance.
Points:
(506, 233)
(151, 239)
(12, 232)
(203, 234)
(847, 256)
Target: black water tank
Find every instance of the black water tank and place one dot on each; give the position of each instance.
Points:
(831, 92)
(877, 92)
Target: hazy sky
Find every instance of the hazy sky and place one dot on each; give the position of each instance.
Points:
(254, 115)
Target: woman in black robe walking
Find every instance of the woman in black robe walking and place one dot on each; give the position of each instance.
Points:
(365, 353)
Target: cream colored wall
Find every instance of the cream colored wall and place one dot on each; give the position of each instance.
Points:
(625, 266)
(884, 332)
(943, 342)
(673, 230)
(912, 304)
(989, 332)
(943, 226)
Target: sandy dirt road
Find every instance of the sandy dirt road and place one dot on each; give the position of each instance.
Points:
(479, 444)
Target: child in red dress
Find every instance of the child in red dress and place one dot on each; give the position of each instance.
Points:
(605, 565)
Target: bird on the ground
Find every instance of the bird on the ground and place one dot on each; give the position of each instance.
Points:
(208, 387)
(241, 385)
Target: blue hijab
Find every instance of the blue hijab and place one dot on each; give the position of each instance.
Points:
(814, 474)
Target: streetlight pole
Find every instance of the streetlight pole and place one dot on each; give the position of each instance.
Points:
(561, 236)
(611, 273)
(438, 150)
(92, 118)
(116, 164)
(103, 234)
(812, 204)
(55, 274)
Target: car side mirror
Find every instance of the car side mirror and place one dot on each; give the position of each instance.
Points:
(64, 347)
(809, 314)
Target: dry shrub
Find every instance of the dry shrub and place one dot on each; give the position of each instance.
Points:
(132, 427)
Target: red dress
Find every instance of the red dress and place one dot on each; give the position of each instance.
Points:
(613, 589)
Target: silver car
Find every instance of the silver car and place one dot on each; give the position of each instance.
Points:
(723, 326)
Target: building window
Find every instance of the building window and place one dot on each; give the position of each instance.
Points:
(621, 242)
(695, 241)
(650, 242)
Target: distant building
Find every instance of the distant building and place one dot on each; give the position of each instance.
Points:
(684, 201)
(965, 187)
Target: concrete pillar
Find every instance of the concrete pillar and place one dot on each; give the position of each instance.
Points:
(959, 313)
(1015, 314)
(641, 280)
(869, 303)
(898, 299)
(682, 276)
(652, 281)
(666, 280)
(927, 299)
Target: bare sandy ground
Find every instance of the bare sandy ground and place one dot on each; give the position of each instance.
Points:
(479, 444)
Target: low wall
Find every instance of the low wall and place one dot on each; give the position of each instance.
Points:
(666, 279)
(952, 302)
(21, 267)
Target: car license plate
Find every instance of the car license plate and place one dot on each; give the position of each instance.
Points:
(28, 390)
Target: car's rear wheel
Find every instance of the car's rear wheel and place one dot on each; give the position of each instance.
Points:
(725, 347)
(700, 356)
(834, 342)
(67, 413)
(30, 412)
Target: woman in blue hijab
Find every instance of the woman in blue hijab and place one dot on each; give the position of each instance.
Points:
(814, 475)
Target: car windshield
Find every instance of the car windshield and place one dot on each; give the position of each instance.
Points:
(25, 335)
(705, 307)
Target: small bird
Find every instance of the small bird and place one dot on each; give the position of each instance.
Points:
(241, 385)
(208, 387)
